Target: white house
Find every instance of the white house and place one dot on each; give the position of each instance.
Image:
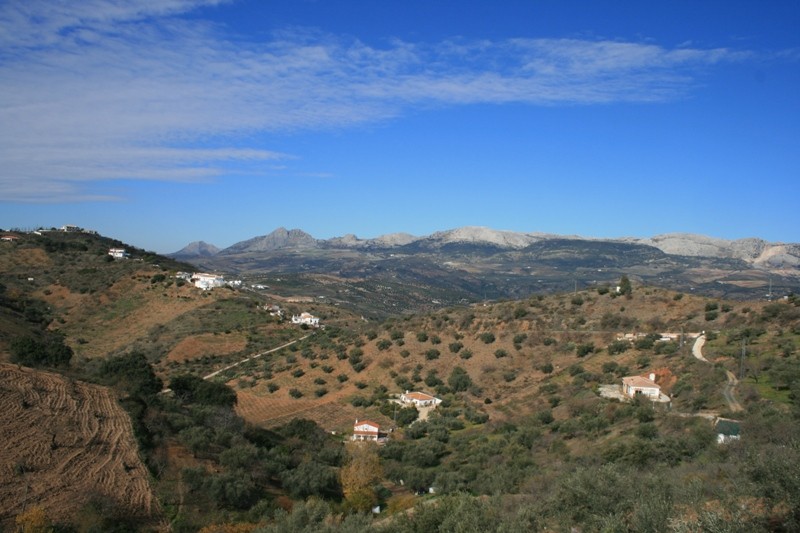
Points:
(118, 253)
(633, 386)
(367, 430)
(420, 399)
(207, 281)
(306, 318)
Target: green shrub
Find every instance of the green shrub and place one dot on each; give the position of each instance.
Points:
(582, 350)
(48, 350)
(384, 344)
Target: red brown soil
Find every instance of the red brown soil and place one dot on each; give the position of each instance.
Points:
(208, 344)
(109, 329)
(273, 411)
(66, 442)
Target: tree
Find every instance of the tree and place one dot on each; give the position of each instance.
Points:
(359, 474)
(131, 373)
(194, 389)
(49, 350)
(625, 286)
(459, 380)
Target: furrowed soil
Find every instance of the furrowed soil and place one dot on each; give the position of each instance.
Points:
(66, 442)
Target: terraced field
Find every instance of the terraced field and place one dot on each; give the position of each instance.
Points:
(66, 442)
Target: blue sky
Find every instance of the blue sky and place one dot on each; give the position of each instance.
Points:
(165, 122)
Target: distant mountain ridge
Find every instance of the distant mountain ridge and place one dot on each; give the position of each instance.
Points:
(196, 249)
(754, 251)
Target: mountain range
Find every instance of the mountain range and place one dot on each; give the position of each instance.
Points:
(757, 252)
(474, 263)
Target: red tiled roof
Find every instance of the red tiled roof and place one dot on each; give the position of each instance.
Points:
(639, 381)
(421, 396)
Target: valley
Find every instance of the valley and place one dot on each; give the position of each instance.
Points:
(256, 428)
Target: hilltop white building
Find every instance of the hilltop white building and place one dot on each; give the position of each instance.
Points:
(207, 281)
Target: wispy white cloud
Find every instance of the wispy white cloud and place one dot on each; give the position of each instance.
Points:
(111, 89)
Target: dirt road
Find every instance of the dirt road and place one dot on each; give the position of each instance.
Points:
(729, 387)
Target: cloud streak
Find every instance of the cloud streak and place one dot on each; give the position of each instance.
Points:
(104, 90)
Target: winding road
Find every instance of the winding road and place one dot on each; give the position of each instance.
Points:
(728, 390)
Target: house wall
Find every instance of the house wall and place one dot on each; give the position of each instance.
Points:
(652, 392)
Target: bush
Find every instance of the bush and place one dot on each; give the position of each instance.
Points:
(466, 354)
(618, 347)
(582, 350)
(49, 350)
(294, 393)
(500, 353)
(455, 347)
(384, 344)
(487, 337)
(459, 380)
(422, 336)
(132, 374)
(194, 389)
(431, 354)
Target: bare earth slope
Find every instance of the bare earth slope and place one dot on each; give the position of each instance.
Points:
(65, 442)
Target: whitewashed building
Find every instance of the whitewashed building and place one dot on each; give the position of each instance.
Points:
(419, 399)
(633, 386)
(207, 281)
(306, 318)
(118, 253)
(367, 430)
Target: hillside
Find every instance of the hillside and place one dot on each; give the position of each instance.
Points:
(399, 273)
(522, 416)
(69, 448)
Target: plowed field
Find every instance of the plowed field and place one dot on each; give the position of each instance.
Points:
(270, 412)
(64, 442)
